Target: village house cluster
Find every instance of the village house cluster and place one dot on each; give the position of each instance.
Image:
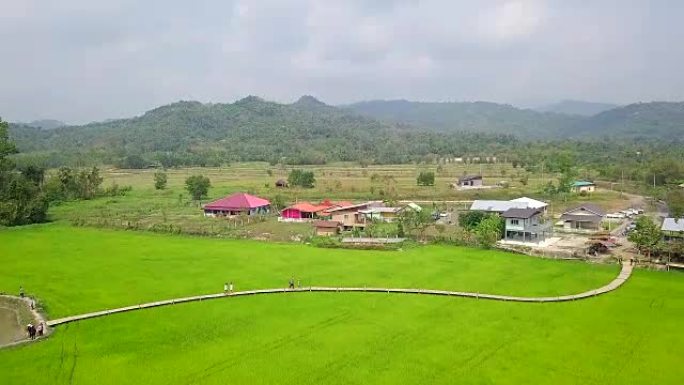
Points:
(526, 220)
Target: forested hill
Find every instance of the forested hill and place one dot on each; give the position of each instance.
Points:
(653, 121)
(577, 107)
(659, 120)
(311, 132)
(307, 131)
(469, 116)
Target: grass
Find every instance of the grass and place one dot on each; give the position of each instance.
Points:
(76, 270)
(630, 336)
(148, 209)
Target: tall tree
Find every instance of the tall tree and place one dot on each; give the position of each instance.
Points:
(489, 230)
(197, 186)
(21, 198)
(426, 178)
(647, 236)
(160, 180)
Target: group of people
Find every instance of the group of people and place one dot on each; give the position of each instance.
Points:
(228, 286)
(32, 330)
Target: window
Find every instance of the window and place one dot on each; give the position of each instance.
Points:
(514, 222)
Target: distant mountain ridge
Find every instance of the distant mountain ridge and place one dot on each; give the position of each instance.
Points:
(577, 107)
(310, 131)
(306, 131)
(46, 124)
(654, 120)
(661, 120)
(468, 116)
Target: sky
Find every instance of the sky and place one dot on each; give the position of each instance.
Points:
(84, 60)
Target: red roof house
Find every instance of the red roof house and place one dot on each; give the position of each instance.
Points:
(305, 211)
(238, 203)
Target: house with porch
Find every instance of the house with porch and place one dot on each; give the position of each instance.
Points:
(237, 204)
(584, 218)
(469, 181)
(525, 225)
(383, 214)
(582, 186)
(349, 216)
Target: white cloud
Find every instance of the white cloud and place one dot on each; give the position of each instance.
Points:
(80, 60)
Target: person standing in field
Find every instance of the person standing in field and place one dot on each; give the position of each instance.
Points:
(41, 329)
(225, 288)
(291, 285)
(230, 287)
(31, 331)
(21, 291)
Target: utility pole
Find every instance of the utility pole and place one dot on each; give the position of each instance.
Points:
(542, 173)
(653, 180)
(622, 186)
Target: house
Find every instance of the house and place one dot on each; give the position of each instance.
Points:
(301, 212)
(469, 181)
(584, 217)
(305, 211)
(532, 203)
(526, 225)
(326, 228)
(348, 216)
(282, 183)
(673, 228)
(383, 214)
(236, 204)
(581, 186)
(499, 207)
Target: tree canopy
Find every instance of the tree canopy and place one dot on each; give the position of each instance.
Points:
(197, 186)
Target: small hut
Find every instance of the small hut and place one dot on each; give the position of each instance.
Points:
(326, 228)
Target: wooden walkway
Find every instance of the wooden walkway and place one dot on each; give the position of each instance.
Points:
(614, 284)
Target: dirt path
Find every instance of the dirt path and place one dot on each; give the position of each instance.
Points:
(15, 313)
(625, 273)
(10, 329)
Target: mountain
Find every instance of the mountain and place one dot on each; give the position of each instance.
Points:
(660, 120)
(192, 133)
(310, 103)
(577, 107)
(468, 116)
(46, 124)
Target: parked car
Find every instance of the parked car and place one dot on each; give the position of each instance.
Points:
(616, 215)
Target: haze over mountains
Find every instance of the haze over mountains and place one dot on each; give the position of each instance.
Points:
(577, 107)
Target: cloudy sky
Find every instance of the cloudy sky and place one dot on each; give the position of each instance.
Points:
(84, 60)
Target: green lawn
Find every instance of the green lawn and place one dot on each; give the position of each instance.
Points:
(630, 336)
(75, 270)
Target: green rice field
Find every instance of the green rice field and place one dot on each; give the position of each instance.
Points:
(630, 336)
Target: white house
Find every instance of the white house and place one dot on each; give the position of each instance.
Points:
(526, 225)
(586, 217)
(532, 203)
